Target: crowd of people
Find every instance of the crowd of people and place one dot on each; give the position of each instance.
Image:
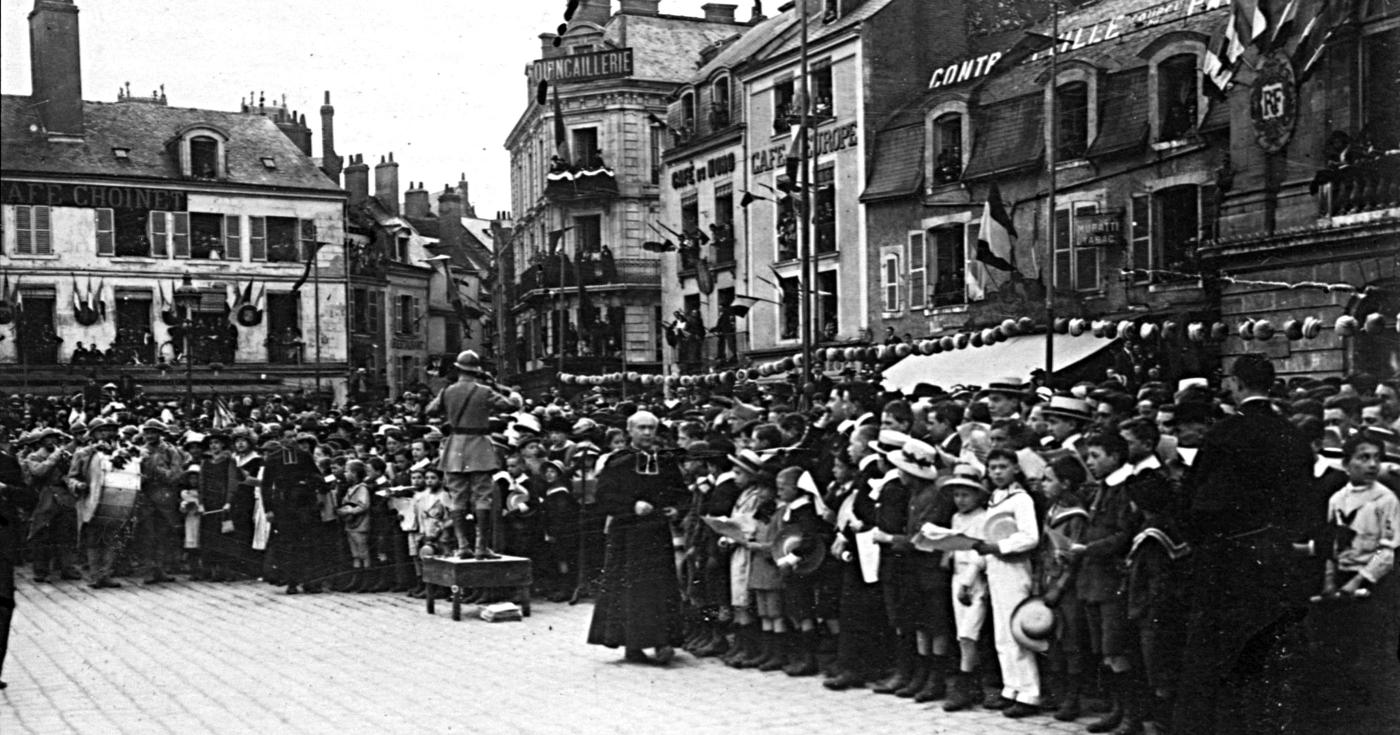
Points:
(1140, 557)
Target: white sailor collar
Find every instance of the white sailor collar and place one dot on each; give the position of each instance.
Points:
(1119, 476)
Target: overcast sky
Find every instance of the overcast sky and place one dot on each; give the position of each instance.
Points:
(438, 83)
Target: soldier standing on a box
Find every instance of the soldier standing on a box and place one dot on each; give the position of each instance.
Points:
(468, 457)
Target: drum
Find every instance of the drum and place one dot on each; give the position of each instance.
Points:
(119, 490)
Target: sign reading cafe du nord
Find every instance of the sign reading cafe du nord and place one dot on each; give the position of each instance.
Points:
(582, 67)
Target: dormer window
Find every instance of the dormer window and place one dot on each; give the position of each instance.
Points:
(783, 92)
(719, 104)
(204, 157)
(947, 148)
(688, 114)
(202, 151)
(121, 153)
(1177, 92)
(269, 163)
(1073, 109)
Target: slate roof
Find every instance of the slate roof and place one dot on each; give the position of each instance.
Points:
(146, 129)
(750, 44)
(817, 30)
(898, 168)
(1123, 124)
(1009, 136)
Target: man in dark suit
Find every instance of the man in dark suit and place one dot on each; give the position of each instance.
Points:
(1247, 494)
(15, 496)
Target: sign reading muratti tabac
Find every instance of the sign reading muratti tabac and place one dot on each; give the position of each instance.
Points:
(583, 67)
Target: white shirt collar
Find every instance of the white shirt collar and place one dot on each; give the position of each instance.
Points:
(1071, 440)
(1119, 476)
(1187, 454)
(1150, 463)
(867, 459)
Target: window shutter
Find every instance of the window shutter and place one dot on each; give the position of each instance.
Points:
(43, 243)
(890, 276)
(375, 302)
(1086, 259)
(106, 243)
(417, 310)
(308, 239)
(1210, 208)
(233, 237)
(1140, 243)
(918, 272)
(24, 232)
(257, 238)
(181, 235)
(157, 235)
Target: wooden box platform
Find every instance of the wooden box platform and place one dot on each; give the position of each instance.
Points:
(459, 575)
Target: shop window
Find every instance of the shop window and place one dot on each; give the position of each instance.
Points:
(824, 209)
(948, 148)
(722, 232)
(33, 235)
(948, 260)
(206, 240)
(828, 306)
(823, 94)
(1076, 265)
(1073, 107)
(1177, 96)
(783, 93)
(889, 282)
(790, 311)
(204, 157)
(106, 234)
(918, 272)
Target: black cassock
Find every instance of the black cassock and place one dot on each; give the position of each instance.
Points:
(639, 600)
(303, 545)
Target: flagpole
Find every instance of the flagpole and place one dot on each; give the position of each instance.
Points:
(316, 297)
(806, 284)
(1051, 156)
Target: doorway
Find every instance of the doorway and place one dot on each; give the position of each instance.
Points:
(35, 338)
(285, 343)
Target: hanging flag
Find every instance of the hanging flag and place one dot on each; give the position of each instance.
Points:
(742, 304)
(1250, 21)
(224, 418)
(1316, 36)
(1283, 25)
(995, 234)
(792, 164)
(1216, 68)
(556, 237)
(310, 261)
(561, 134)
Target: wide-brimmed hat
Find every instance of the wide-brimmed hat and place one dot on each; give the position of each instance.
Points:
(50, 431)
(583, 427)
(527, 422)
(788, 540)
(193, 437)
(468, 362)
(1069, 407)
(1013, 387)
(916, 457)
(518, 501)
(749, 461)
(889, 440)
(1033, 624)
(155, 425)
(702, 450)
(306, 436)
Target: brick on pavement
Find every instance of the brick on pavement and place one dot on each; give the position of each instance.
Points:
(243, 658)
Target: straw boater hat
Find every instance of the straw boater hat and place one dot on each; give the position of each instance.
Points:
(1033, 624)
(155, 425)
(1006, 386)
(1069, 407)
(916, 457)
(749, 461)
(889, 440)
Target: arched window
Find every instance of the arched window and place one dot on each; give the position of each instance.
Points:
(204, 157)
(719, 104)
(947, 148)
(1178, 91)
(688, 114)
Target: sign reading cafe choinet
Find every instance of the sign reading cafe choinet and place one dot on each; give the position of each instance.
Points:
(93, 195)
(582, 67)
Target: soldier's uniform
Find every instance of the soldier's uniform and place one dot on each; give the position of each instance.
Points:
(468, 457)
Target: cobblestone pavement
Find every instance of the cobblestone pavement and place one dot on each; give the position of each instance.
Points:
(238, 658)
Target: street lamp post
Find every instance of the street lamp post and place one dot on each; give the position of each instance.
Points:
(186, 299)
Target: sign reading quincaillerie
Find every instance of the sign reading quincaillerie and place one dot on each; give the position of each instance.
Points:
(583, 67)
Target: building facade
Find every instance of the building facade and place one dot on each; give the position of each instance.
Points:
(108, 207)
(582, 294)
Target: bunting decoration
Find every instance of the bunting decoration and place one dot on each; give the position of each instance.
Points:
(84, 303)
(244, 312)
(224, 418)
(306, 272)
(7, 305)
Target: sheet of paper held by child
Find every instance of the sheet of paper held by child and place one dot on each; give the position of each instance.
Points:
(933, 537)
(741, 530)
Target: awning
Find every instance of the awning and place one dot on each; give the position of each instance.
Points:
(1016, 357)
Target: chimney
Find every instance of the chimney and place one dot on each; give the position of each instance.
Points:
(357, 181)
(639, 7)
(464, 191)
(386, 183)
(415, 202)
(594, 11)
(719, 12)
(55, 66)
(330, 162)
(297, 132)
(450, 217)
(756, 15)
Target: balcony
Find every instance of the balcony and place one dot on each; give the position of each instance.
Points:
(711, 351)
(1356, 188)
(580, 183)
(623, 272)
